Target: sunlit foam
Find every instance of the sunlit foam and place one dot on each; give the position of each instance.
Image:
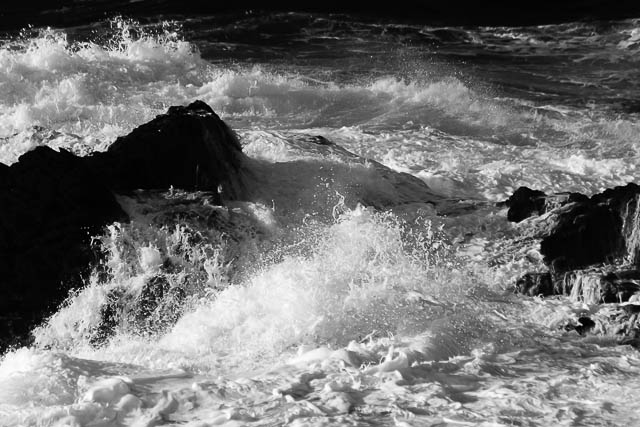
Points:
(81, 96)
(368, 273)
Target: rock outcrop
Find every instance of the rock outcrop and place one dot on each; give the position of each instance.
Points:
(155, 308)
(189, 148)
(51, 205)
(590, 248)
(583, 231)
(53, 202)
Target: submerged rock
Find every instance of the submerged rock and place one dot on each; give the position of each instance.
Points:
(619, 286)
(150, 310)
(618, 321)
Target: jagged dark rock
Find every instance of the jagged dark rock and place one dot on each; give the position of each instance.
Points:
(153, 309)
(591, 231)
(52, 204)
(535, 284)
(523, 203)
(578, 231)
(586, 235)
(590, 246)
(189, 148)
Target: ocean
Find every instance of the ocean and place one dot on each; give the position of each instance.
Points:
(332, 297)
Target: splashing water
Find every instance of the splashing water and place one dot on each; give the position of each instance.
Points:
(304, 307)
(631, 228)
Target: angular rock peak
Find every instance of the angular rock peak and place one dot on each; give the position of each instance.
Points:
(189, 148)
(52, 202)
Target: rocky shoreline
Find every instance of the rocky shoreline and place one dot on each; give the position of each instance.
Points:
(187, 161)
(54, 202)
(591, 251)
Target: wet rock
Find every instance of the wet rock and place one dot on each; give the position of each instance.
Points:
(52, 204)
(110, 317)
(618, 322)
(619, 286)
(591, 247)
(150, 297)
(154, 309)
(157, 307)
(586, 325)
(4, 171)
(525, 202)
(558, 200)
(189, 148)
(577, 232)
(583, 327)
(535, 284)
(585, 235)
(595, 286)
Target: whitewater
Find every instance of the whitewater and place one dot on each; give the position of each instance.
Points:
(334, 296)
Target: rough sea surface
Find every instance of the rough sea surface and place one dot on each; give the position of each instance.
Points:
(312, 309)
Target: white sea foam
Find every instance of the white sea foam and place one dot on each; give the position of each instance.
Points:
(82, 95)
(302, 306)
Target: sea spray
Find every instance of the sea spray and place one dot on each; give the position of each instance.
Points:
(85, 90)
(360, 278)
(139, 258)
(365, 287)
(368, 273)
(81, 89)
(631, 230)
(449, 347)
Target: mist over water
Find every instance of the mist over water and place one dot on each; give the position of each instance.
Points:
(304, 306)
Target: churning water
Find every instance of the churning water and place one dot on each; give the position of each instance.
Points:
(333, 298)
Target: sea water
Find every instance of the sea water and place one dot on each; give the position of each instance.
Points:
(331, 297)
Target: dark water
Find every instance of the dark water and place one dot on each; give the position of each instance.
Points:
(473, 111)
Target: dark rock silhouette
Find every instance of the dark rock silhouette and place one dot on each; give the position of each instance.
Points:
(590, 246)
(53, 202)
(155, 308)
(584, 231)
(534, 284)
(525, 202)
(591, 231)
(189, 148)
